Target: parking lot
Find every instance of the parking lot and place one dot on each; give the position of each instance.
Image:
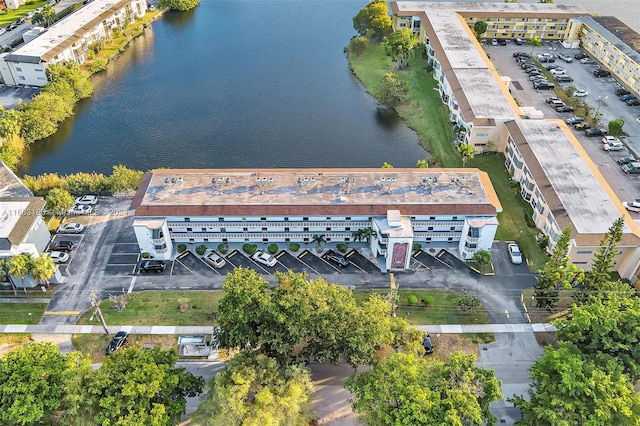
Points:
(601, 98)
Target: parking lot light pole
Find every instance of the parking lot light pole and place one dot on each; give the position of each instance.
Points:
(600, 100)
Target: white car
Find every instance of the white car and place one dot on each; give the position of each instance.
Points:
(613, 146)
(71, 228)
(80, 209)
(87, 199)
(515, 254)
(59, 256)
(557, 71)
(580, 93)
(215, 260)
(632, 206)
(610, 139)
(264, 258)
(565, 58)
(587, 61)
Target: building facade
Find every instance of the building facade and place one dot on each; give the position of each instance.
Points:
(68, 40)
(455, 209)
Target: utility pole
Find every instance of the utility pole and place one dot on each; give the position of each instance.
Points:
(95, 302)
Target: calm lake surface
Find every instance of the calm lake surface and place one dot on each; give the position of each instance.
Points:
(232, 84)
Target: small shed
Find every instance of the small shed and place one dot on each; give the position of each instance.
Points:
(193, 347)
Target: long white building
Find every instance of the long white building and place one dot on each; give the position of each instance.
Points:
(454, 209)
(68, 40)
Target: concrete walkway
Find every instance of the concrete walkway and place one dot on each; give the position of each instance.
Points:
(198, 330)
(24, 300)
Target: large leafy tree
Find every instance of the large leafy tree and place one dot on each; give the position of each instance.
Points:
(72, 74)
(480, 28)
(358, 45)
(391, 91)
(124, 179)
(570, 390)
(254, 389)
(400, 44)
(558, 273)
(141, 387)
(615, 127)
(59, 200)
(31, 384)
(179, 5)
(404, 389)
(373, 18)
(604, 258)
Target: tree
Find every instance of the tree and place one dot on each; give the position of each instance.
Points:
(386, 165)
(42, 268)
(570, 390)
(31, 383)
(482, 258)
(604, 259)
(358, 45)
(319, 240)
(606, 330)
(534, 42)
(142, 387)
(4, 273)
(46, 16)
(422, 164)
(10, 123)
(179, 5)
(373, 18)
(59, 201)
(615, 127)
(400, 44)
(124, 179)
(19, 267)
(558, 273)
(404, 389)
(72, 74)
(480, 28)
(466, 151)
(391, 91)
(364, 234)
(254, 389)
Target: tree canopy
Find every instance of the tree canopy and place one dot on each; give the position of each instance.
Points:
(615, 127)
(400, 44)
(404, 389)
(59, 201)
(373, 19)
(604, 259)
(179, 5)
(391, 91)
(480, 28)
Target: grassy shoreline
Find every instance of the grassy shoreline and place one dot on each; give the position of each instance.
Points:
(427, 115)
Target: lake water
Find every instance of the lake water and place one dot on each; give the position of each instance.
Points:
(232, 84)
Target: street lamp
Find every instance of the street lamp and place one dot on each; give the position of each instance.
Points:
(600, 100)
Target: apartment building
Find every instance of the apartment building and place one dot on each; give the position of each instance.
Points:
(455, 209)
(68, 40)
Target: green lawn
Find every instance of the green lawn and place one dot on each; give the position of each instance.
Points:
(18, 313)
(12, 15)
(442, 311)
(427, 115)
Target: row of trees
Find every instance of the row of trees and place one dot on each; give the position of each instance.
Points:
(40, 267)
(133, 386)
(179, 5)
(276, 329)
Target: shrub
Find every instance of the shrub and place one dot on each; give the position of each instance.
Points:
(145, 255)
(249, 248)
(201, 249)
(412, 299)
(222, 248)
(294, 247)
(98, 65)
(181, 248)
(272, 249)
(417, 247)
(342, 247)
(428, 300)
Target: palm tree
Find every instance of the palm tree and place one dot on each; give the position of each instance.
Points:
(368, 233)
(19, 267)
(4, 273)
(534, 42)
(319, 240)
(357, 235)
(42, 268)
(466, 152)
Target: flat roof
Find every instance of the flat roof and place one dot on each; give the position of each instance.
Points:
(490, 8)
(65, 32)
(11, 185)
(17, 215)
(569, 181)
(175, 192)
(617, 33)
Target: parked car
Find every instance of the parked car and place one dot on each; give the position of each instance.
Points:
(574, 120)
(494, 41)
(601, 73)
(579, 93)
(565, 108)
(587, 61)
(515, 254)
(61, 245)
(553, 67)
(626, 160)
(427, 344)
(556, 104)
(565, 58)
(546, 59)
(631, 168)
(594, 131)
(632, 206)
(610, 138)
(544, 86)
(80, 209)
(626, 97)
(264, 258)
(518, 41)
(520, 55)
(59, 256)
(215, 260)
(117, 342)
(613, 146)
(557, 71)
(338, 259)
(622, 92)
(633, 102)
(551, 99)
(71, 228)
(87, 199)
(563, 78)
(581, 126)
(502, 42)
(579, 56)
(152, 266)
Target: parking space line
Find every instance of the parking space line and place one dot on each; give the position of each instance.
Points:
(133, 282)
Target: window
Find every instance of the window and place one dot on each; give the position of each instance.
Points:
(263, 218)
(204, 229)
(189, 229)
(18, 69)
(21, 77)
(584, 252)
(186, 219)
